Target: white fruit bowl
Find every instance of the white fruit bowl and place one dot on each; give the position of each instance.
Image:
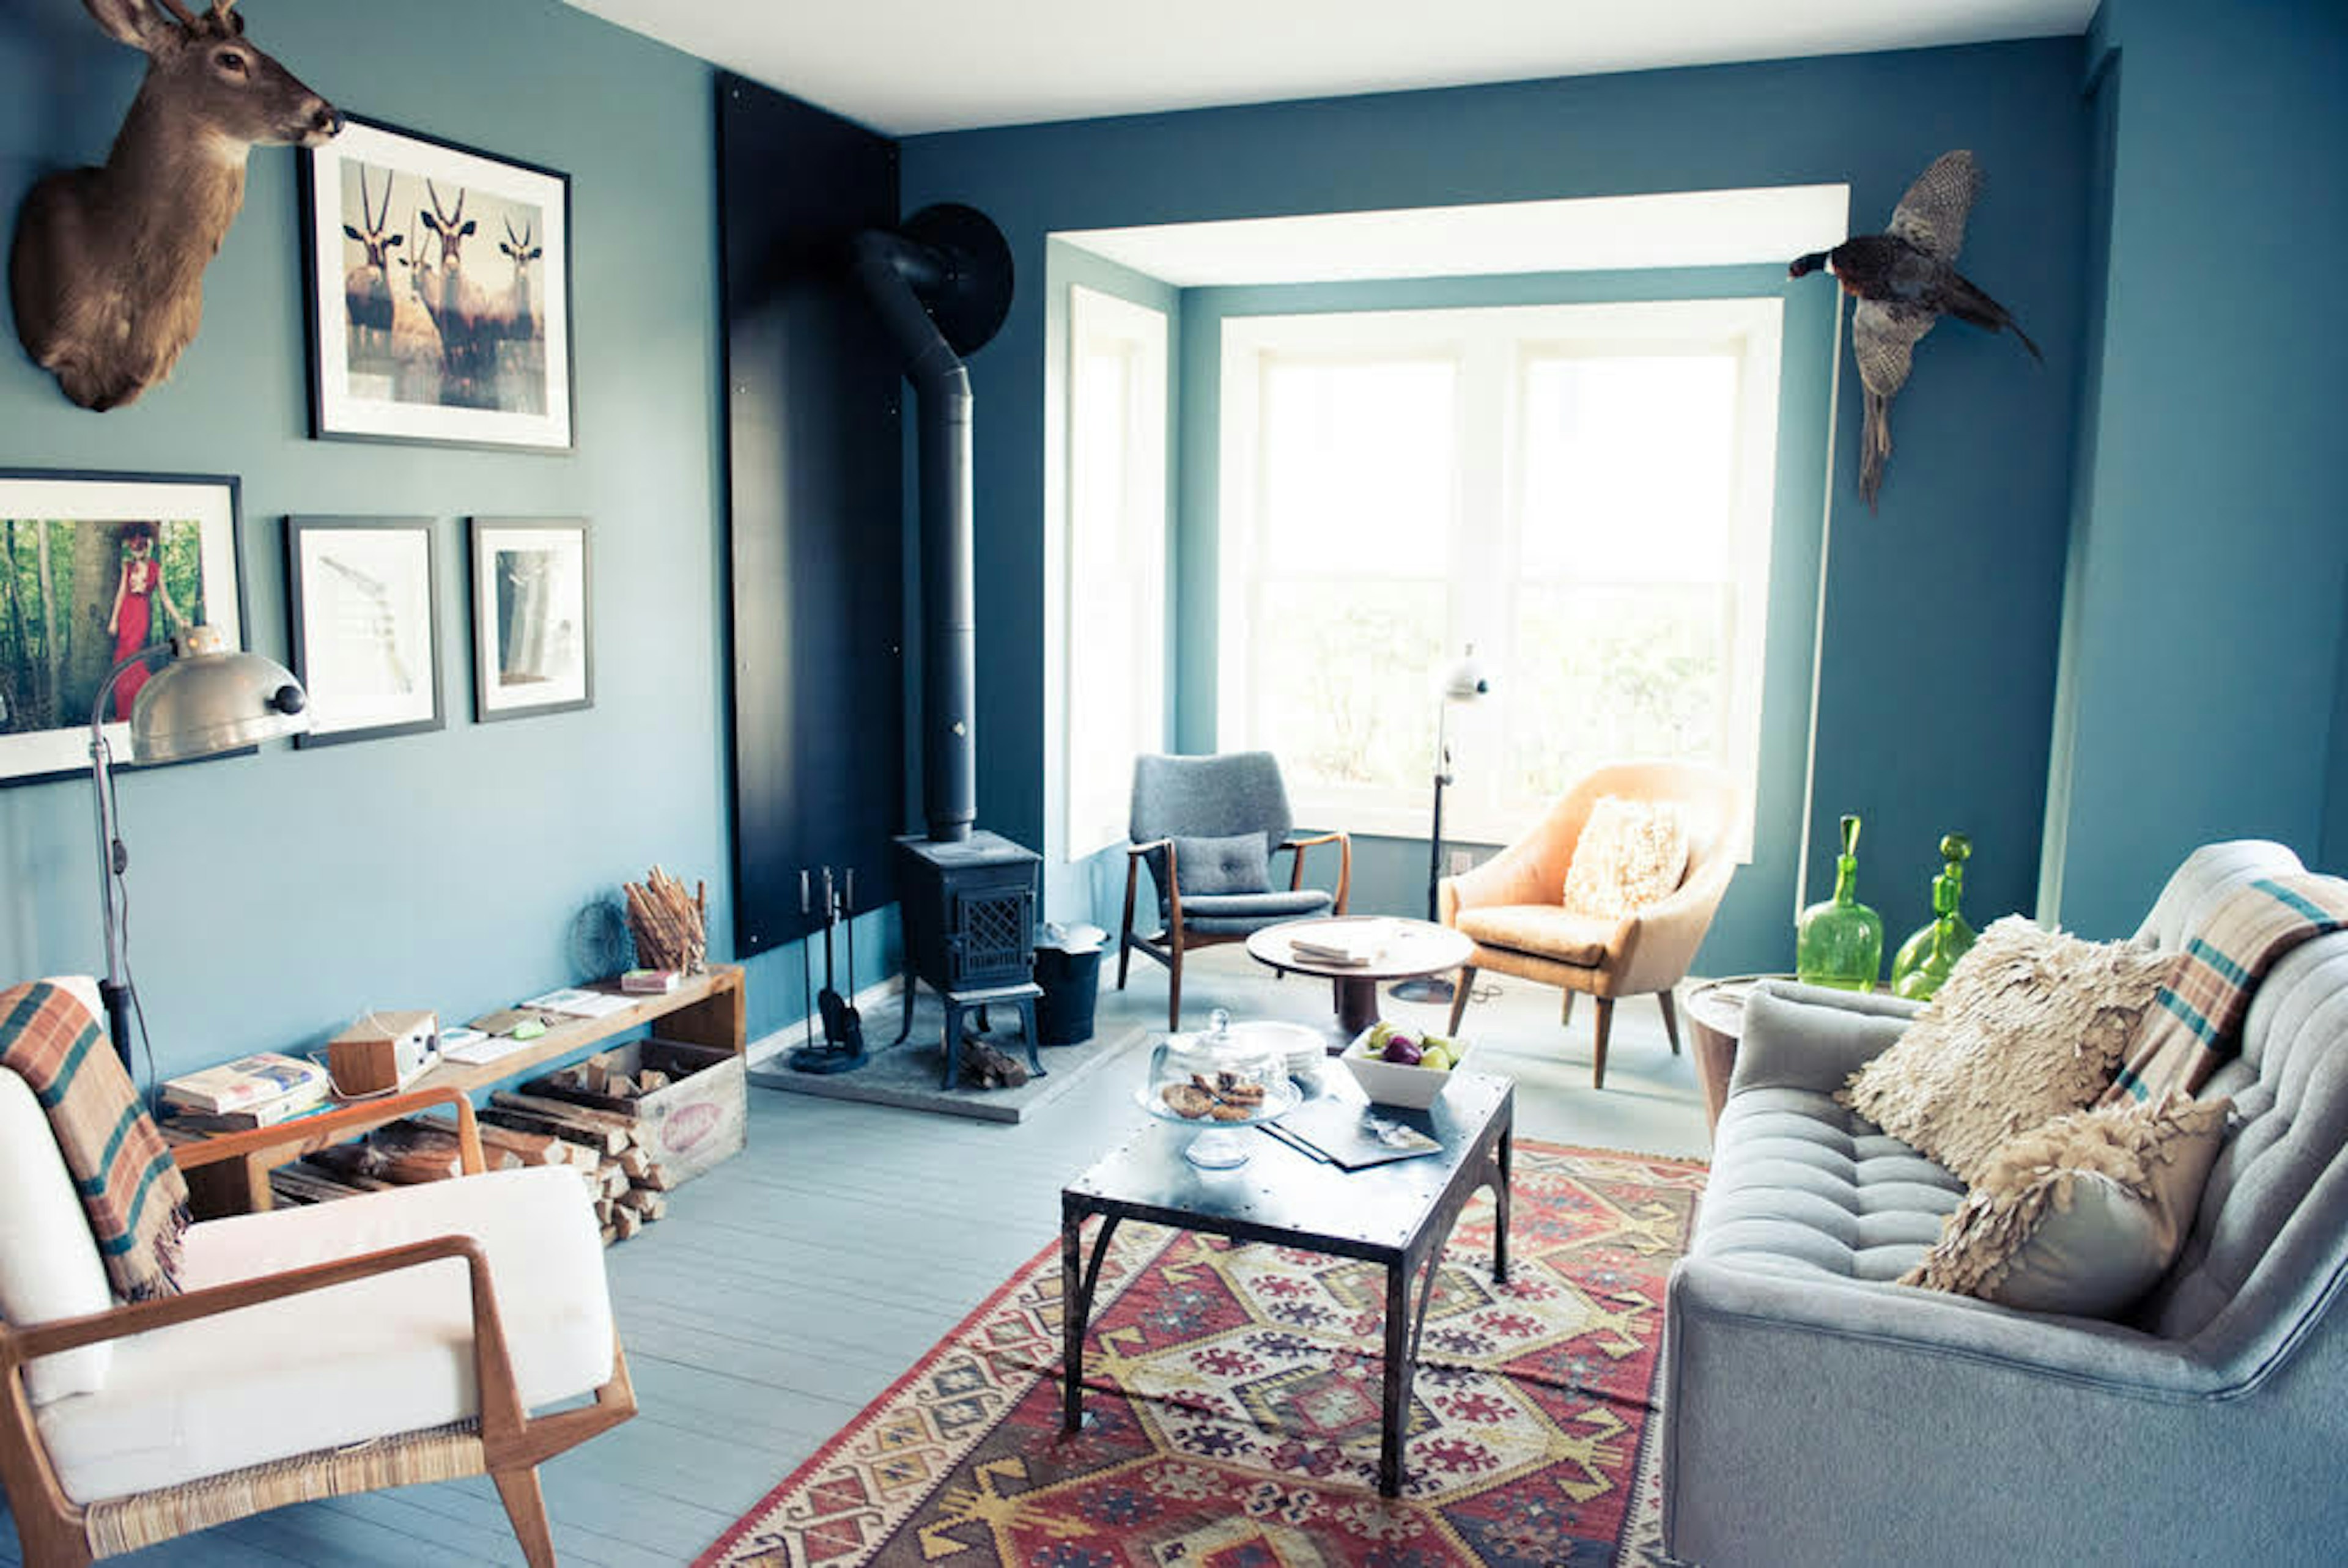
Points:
(1390, 1083)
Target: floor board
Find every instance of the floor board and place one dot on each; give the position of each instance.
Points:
(794, 1284)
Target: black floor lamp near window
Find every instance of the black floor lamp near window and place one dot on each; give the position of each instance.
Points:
(1465, 681)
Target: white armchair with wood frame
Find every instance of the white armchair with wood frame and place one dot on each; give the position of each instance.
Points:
(399, 1337)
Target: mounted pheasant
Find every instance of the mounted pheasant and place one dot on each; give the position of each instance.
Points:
(1905, 279)
(107, 269)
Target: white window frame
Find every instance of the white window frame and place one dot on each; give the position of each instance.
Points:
(1494, 346)
(1095, 780)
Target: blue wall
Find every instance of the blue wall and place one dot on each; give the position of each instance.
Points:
(1942, 612)
(276, 895)
(2205, 637)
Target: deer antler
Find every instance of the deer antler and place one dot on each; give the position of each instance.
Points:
(186, 18)
(518, 241)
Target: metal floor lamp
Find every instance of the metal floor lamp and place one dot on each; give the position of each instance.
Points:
(1467, 681)
(209, 699)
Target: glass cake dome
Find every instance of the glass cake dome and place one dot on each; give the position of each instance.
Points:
(1225, 1079)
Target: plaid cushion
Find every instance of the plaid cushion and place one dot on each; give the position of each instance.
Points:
(2195, 1026)
(131, 1188)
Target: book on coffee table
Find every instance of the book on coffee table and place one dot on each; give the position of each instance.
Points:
(1350, 1134)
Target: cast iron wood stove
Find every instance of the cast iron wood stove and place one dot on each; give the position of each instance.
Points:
(967, 896)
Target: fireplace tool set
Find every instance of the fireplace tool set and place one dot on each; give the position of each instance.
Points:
(842, 1050)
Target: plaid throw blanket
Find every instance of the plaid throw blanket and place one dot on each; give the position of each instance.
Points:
(2195, 1026)
(134, 1194)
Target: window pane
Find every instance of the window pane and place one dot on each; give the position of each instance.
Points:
(1347, 668)
(1629, 463)
(1604, 673)
(1360, 464)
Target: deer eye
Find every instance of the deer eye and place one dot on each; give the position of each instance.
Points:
(229, 60)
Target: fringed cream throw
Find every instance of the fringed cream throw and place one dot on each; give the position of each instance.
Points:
(2082, 1214)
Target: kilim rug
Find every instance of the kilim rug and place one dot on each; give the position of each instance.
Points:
(1233, 1397)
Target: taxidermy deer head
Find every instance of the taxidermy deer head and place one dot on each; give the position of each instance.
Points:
(107, 269)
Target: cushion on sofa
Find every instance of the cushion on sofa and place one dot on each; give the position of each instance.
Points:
(2082, 1214)
(1237, 863)
(1630, 854)
(389, 1354)
(2029, 1025)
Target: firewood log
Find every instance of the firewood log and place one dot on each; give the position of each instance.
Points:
(626, 1222)
(645, 1202)
(564, 1110)
(595, 1141)
(615, 1180)
(407, 1166)
(301, 1184)
(655, 1178)
(611, 1235)
(414, 1134)
(637, 1163)
(530, 1148)
(604, 1207)
(648, 1082)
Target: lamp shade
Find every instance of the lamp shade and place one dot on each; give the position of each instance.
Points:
(1467, 680)
(213, 699)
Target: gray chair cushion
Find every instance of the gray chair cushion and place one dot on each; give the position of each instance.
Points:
(1237, 914)
(1240, 862)
(1802, 1185)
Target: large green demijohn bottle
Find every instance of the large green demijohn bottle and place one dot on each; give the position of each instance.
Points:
(1925, 959)
(1839, 943)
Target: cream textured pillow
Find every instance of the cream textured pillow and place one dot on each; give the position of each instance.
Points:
(2084, 1215)
(1630, 854)
(2029, 1026)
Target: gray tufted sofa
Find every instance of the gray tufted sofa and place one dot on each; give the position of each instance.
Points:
(1818, 1414)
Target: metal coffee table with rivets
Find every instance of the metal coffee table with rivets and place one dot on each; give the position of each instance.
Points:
(1397, 1215)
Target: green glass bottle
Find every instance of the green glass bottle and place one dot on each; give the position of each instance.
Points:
(1925, 959)
(1839, 943)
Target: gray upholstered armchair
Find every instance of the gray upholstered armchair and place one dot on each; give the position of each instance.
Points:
(1208, 828)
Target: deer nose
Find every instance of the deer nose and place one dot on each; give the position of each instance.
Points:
(327, 120)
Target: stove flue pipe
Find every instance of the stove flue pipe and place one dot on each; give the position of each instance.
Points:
(894, 272)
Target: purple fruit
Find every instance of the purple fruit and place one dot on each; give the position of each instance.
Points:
(1403, 1051)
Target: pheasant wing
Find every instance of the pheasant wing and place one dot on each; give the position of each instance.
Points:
(1931, 215)
(1883, 338)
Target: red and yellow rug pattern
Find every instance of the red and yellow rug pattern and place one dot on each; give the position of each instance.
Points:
(1232, 1407)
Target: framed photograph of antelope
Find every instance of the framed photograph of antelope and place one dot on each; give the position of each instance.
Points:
(438, 292)
(533, 618)
(93, 568)
(365, 626)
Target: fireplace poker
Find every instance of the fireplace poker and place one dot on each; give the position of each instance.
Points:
(851, 1023)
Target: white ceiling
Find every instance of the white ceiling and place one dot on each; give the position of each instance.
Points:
(1690, 229)
(905, 67)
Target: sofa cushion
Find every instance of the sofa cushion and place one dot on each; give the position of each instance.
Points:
(1803, 1186)
(2082, 1214)
(1237, 914)
(1630, 854)
(49, 1266)
(1239, 863)
(389, 1354)
(2029, 1026)
(1542, 928)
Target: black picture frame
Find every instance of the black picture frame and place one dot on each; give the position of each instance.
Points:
(210, 503)
(549, 665)
(391, 590)
(363, 388)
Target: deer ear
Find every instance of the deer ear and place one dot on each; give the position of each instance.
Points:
(467, 228)
(535, 252)
(395, 240)
(131, 22)
(354, 234)
(430, 221)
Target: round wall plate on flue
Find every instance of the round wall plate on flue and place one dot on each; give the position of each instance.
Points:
(970, 302)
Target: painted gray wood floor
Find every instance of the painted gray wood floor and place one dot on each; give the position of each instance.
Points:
(791, 1286)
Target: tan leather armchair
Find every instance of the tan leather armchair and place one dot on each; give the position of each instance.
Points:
(1513, 905)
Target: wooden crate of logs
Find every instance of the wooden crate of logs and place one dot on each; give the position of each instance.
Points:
(687, 1106)
(626, 1184)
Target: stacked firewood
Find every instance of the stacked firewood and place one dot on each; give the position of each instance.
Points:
(625, 1183)
(670, 928)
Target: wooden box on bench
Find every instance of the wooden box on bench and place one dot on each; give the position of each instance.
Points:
(698, 1119)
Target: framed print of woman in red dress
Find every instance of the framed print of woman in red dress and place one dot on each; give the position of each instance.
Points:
(136, 591)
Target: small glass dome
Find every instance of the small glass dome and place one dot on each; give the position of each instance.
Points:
(1222, 1078)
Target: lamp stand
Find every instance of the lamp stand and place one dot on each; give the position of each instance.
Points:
(1436, 988)
(113, 859)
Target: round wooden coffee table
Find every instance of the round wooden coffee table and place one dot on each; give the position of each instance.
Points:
(1411, 948)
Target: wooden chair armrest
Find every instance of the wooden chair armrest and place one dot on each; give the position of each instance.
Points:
(1135, 851)
(319, 1131)
(502, 1417)
(1297, 846)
